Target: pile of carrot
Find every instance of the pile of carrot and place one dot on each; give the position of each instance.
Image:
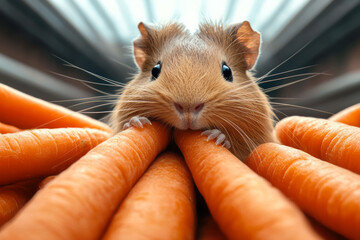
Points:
(65, 176)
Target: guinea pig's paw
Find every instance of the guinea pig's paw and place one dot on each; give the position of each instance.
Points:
(137, 122)
(218, 137)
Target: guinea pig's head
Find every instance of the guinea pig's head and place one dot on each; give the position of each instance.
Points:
(197, 81)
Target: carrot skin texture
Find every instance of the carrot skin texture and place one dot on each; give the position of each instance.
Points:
(244, 205)
(27, 112)
(13, 198)
(5, 128)
(43, 152)
(349, 116)
(333, 142)
(80, 201)
(160, 206)
(327, 192)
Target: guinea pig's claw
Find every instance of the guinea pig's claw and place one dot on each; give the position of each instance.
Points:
(126, 126)
(137, 122)
(218, 136)
(226, 144)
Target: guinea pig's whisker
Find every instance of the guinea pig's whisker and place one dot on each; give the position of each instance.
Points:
(253, 118)
(96, 106)
(97, 112)
(241, 132)
(249, 100)
(302, 107)
(142, 97)
(123, 64)
(124, 87)
(115, 83)
(121, 92)
(238, 89)
(136, 101)
(286, 60)
(130, 113)
(143, 112)
(87, 102)
(248, 110)
(243, 86)
(277, 110)
(254, 115)
(66, 115)
(257, 102)
(213, 120)
(85, 81)
(288, 84)
(293, 76)
(95, 89)
(278, 79)
(281, 98)
(86, 98)
(127, 109)
(98, 76)
(91, 73)
(281, 73)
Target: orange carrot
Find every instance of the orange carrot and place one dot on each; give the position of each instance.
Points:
(349, 116)
(13, 198)
(45, 181)
(209, 230)
(160, 206)
(327, 192)
(330, 141)
(25, 111)
(42, 152)
(4, 128)
(80, 201)
(244, 205)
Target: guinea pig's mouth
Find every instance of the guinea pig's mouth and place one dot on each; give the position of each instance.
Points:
(189, 122)
(187, 127)
(183, 122)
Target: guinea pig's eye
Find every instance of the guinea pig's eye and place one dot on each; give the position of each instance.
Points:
(226, 72)
(156, 71)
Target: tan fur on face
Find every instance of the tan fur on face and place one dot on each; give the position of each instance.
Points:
(190, 75)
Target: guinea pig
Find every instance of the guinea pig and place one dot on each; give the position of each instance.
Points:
(198, 81)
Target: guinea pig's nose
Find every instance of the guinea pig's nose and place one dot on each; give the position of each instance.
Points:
(179, 107)
(198, 107)
(195, 108)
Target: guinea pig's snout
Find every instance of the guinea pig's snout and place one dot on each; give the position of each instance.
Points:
(194, 108)
(189, 115)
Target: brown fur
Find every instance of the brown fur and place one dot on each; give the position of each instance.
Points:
(191, 74)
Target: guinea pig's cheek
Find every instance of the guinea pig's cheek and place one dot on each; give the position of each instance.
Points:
(175, 121)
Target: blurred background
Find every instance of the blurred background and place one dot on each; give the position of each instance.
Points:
(66, 50)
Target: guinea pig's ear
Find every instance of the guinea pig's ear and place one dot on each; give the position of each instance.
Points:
(251, 40)
(141, 45)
